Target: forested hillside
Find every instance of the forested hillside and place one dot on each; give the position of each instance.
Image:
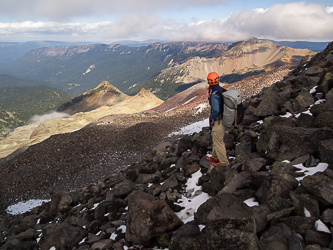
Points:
(19, 103)
(9, 80)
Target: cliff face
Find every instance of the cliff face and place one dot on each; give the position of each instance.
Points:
(243, 57)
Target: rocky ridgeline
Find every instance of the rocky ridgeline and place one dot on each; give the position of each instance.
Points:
(287, 124)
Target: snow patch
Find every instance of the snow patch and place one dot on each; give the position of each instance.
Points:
(321, 167)
(192, 198)
(91, 67)
(200, 108)
(192, 128)
(25, 206)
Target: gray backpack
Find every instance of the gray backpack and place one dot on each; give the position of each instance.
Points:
(233, 111)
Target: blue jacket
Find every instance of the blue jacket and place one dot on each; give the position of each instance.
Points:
(216, 102)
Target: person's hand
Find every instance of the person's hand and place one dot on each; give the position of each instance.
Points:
(211, 122)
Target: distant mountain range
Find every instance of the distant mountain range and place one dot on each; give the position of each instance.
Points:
(10, 51)
(175, 65)
(80, 68)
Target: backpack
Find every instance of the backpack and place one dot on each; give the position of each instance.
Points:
(233, 110)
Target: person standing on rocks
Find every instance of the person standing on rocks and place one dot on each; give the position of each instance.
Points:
(219, 153)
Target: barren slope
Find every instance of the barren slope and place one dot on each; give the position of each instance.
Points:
(35, 133)
(105, 94)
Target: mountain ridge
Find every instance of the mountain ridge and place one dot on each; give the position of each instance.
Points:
(78, 69)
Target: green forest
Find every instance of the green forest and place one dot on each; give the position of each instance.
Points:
(19, 103)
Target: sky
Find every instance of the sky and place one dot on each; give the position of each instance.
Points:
(107, 21)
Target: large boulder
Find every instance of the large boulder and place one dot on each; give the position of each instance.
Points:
(148, 218)
(321, 186)
(327, 84)
(61, 236)
(123, 188)
(279, 237)
(275, 186)
(186, 238)
(321, 108)
(269, 105)
(59, 201)
(326, 151)
(229, 223)
(305, 204)
(305, 99)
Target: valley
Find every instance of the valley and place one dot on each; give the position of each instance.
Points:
(163, 68)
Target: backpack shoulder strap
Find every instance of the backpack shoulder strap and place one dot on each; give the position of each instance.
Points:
(217, 92)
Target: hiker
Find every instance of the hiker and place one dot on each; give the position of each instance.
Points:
(219, 154)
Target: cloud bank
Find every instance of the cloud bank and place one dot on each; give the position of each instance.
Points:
(292, 21)
(66, 9)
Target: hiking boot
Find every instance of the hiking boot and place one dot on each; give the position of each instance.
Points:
(219, 164)
(213, 165)
(212, 159)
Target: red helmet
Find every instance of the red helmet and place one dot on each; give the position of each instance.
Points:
(213, 78)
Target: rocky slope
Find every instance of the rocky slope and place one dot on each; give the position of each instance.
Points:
(137, 207)
(25, 136)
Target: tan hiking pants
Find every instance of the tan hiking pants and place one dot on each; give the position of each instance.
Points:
(219, 151)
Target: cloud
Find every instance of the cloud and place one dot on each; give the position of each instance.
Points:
(293, 21)
(288, 21)
(329, 9)
(54, 31)
(66, 9)
(36, 119)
